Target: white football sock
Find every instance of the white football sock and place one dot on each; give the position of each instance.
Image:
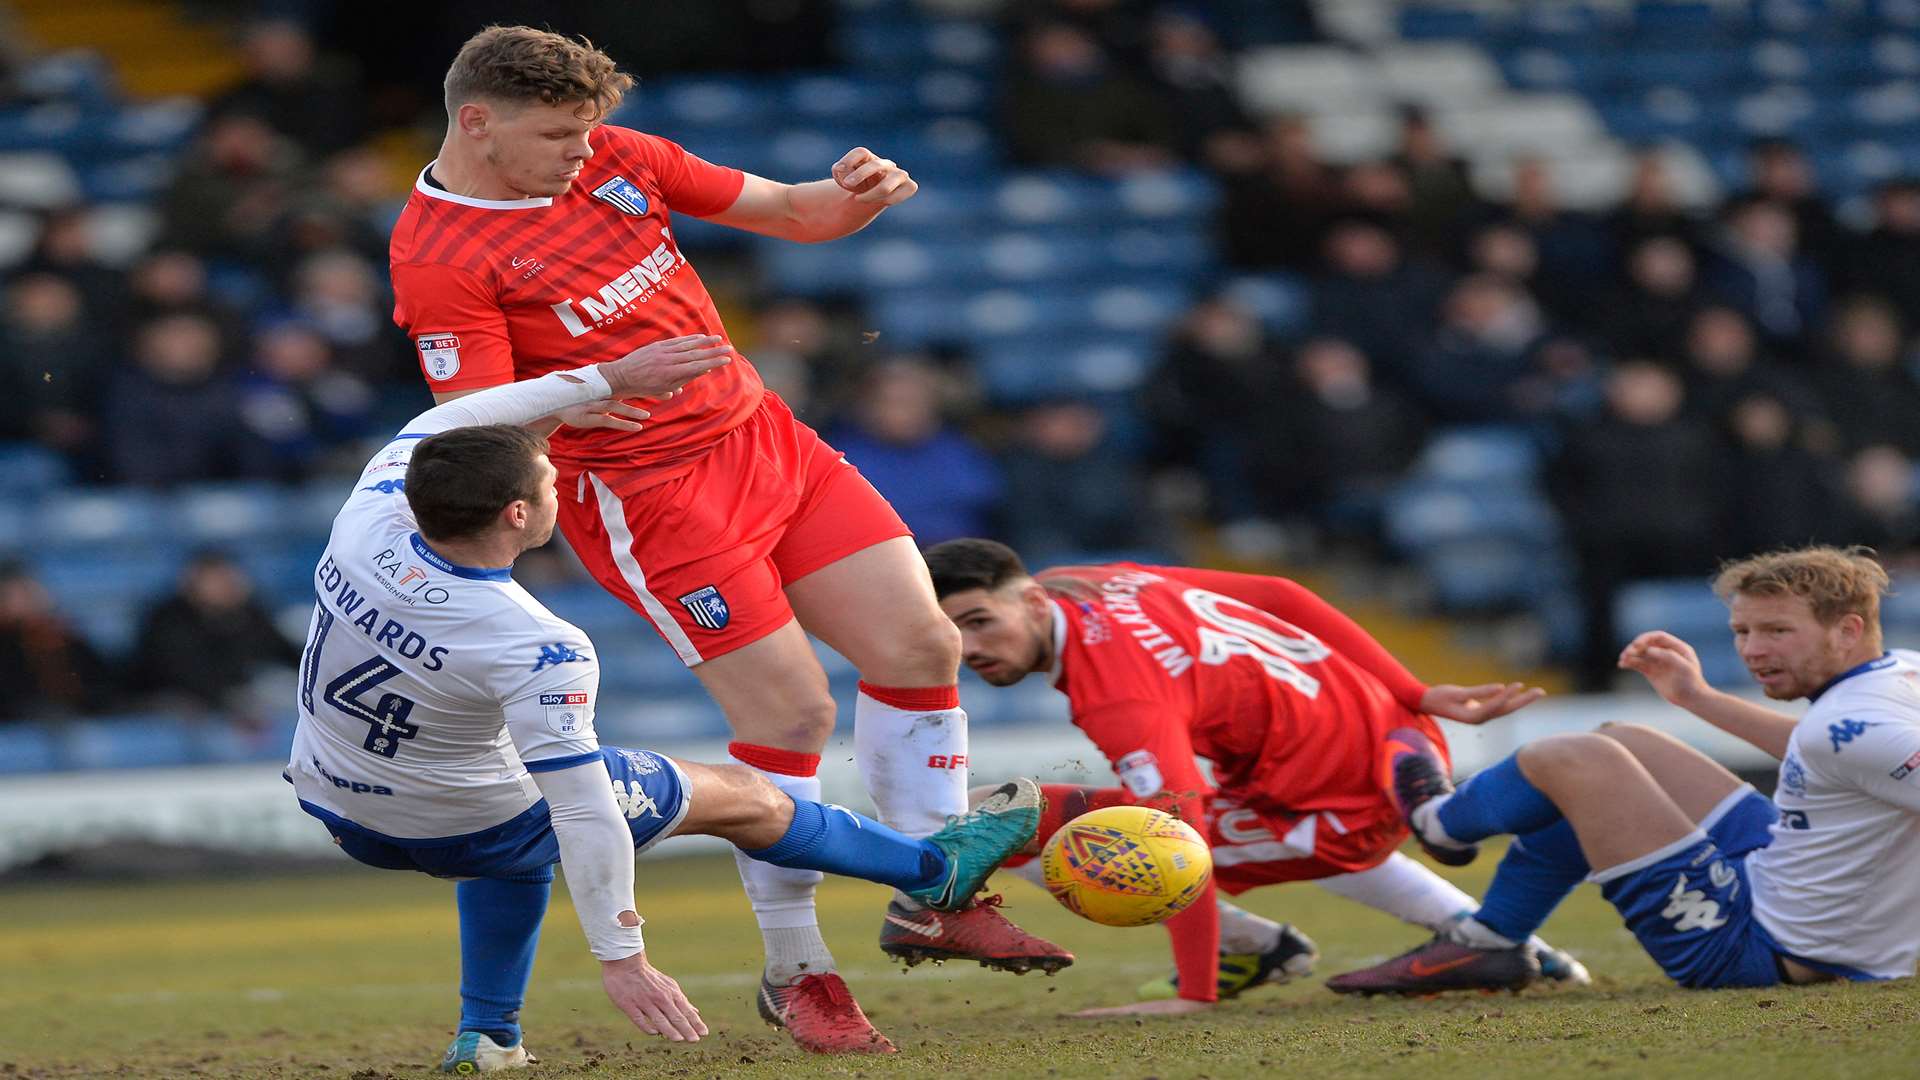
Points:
(1405, 889)
(1425, 822)
(914, 763)
(1241, 931)
(782, 899)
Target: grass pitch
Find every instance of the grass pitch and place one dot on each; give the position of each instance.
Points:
(352, 975)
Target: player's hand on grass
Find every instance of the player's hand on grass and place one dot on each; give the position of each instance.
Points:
(872, 178)
(1669, 663)
(651, 999)
(659, 370)
(1478, 704)
(1163, 1007)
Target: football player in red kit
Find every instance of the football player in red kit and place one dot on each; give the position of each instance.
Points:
(542, 239)
(1317, 735)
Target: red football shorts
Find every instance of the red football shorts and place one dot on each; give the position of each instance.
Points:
(706, 556)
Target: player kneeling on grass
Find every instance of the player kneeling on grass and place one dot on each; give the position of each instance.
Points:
(1314, 731)
(1723, 887)
(446, 722)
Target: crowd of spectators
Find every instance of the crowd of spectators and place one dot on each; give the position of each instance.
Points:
(1702, 383)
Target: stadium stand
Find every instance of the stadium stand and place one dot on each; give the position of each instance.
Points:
(1580, 129)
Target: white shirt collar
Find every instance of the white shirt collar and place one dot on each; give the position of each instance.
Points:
(1059, 642)
(530, 203)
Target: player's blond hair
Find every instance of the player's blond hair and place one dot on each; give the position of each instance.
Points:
(521, 65)
(1835, 582)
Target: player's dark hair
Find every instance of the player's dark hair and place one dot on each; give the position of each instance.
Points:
(972, 563)
(460, 480)
(521, 65)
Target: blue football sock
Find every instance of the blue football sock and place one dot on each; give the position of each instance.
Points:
(1496, 800)
(499, 927)
(1539, 870)
(838, 841)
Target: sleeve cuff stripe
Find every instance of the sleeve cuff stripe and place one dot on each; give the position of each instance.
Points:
(568, 762)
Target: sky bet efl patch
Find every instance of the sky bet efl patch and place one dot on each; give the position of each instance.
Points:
(439, 356)
(566, 711)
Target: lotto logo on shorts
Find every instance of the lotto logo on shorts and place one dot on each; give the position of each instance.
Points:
(707, 606)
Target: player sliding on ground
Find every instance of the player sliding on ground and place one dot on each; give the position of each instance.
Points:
(1723, 887)
(446, 721)
(1306, 719)
(540, 238)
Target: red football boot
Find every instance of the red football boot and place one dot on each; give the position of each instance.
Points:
(978, 932)
(821, 1015)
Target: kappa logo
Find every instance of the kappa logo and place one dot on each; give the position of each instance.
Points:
(387, 487)
(1690, 909)
(633, 799)
(1846, 731)
(558, 653)
(708, 608)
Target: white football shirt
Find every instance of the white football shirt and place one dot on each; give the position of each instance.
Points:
(1840, 884)
(427, 690)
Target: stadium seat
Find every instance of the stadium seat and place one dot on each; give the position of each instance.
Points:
(1457, 73)
(132, 742)
(27, 748)
(29, 470)
(1523, 124)
(35, 181)
(102, 516)
(215, 513)
(1307, 78)
(1490, 456)
(1684, 607)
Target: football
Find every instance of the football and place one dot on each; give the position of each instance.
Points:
(1126, 865)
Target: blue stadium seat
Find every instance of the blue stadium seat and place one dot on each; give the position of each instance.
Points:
(1490, 456)
(1685, 607)
(29, 469)
(28, 748)
(1424, 514)
(129, 742)
(1283, 302)
(224, 513)
(1482, 575)
(1045, 366)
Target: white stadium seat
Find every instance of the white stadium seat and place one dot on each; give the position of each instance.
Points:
(1308, 79)
(1453, 74)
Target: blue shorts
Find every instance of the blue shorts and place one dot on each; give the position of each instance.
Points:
(650, 789)
(1691, 906)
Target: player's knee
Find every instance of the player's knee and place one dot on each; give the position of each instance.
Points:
(800, 725)
(927, 653)
(1558, 757)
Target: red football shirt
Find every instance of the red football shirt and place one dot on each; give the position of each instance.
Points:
(493, 291)
(1287, 697)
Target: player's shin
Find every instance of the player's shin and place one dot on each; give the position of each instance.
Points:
(836, 840)
(1499, 799)
(911, 746)
(499, 929)
(782, 897)
(1538, 872)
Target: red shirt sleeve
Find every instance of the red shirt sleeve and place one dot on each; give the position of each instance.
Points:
(690, 184)
(458, 331)
(1151, 750)
(1295, 603)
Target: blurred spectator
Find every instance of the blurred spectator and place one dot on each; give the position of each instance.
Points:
(65, 248)
(942, 483)
(212, 614)
(1482, 353)
(344, 297)
(50, 670)
(798, 354)
(232, 192)
(1782, 175)
(1372, 295)
(1887, 259)
(346, 212)
(1725, 363)
(1650, 314)
(1274, 209)
(1759, 269)
(1197, 79)
(1881, 485)
(1507, 251)
(1441, 193)
(315, 103)
(296, 403)
(1871, 394)
(1068, 104)
(1779, 493)
(1336, 441)
(169, 281)
(1572, 248)
(52, 362)
(1651, 209)
(171, 418)
(1638, 490)
(1067, 489)
(1378, 191)
(1219, 380)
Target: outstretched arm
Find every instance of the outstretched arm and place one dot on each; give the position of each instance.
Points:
(863, 184)
(1673, 668)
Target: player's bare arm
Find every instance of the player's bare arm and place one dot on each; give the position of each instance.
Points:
(657, 370)
(1673, 669)
(862, 185)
